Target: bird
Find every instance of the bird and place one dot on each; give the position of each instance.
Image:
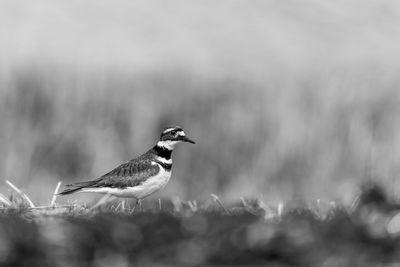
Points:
(139, 177)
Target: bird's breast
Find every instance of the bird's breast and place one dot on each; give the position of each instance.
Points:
(152, 184)
(159, 180)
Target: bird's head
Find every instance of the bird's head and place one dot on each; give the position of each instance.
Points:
(171, 136)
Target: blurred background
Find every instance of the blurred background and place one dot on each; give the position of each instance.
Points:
(287, 100)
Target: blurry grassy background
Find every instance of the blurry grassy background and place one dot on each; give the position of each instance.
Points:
(286, 100)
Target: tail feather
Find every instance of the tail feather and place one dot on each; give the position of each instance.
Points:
(70, 191)
(82, 184)
(77, 187)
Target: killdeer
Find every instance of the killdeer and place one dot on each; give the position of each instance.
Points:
(139, 177)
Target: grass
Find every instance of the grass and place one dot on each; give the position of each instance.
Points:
(186, 233)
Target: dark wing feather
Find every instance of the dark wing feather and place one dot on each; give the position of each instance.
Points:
(131, 173)
(128, 174)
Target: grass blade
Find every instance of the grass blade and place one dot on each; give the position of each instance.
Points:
(53, 200)
(216, 199)
(22, 194)
(5, 200)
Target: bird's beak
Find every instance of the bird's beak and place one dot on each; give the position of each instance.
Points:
(185, 139)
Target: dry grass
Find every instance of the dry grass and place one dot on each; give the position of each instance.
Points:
(189, 233)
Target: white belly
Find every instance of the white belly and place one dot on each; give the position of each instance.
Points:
(141, 191)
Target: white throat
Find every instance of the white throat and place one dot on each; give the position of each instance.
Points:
(170, 145)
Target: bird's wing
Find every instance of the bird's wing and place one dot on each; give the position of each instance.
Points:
(129, 174)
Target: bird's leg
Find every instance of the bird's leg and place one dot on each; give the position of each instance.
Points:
(102, 200)
(123, 205)
(138, 205)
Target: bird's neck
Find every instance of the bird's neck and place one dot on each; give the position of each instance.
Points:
(163, 151)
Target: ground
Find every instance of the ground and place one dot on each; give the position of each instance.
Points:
(187, 234)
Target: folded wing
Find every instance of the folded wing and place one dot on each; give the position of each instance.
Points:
(129, 174)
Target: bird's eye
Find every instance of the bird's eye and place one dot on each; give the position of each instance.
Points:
(173, 132)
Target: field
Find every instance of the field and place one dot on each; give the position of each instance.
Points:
(184, 233)
(294, 107)
(293, 101)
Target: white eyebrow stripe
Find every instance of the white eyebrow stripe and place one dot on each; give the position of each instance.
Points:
(169, 129)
